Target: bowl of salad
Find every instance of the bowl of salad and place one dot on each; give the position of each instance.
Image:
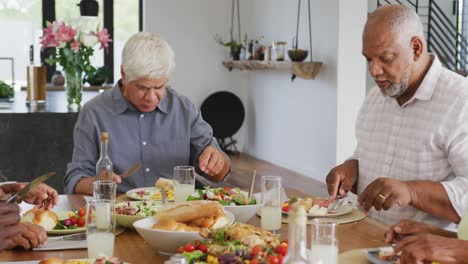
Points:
(233, 200)
(128, 212)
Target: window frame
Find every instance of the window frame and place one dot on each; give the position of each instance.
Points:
(48, 14)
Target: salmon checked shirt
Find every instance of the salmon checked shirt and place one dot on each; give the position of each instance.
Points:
(424, 139)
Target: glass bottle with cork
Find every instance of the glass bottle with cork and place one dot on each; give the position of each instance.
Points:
(104, 166)
(297, 236)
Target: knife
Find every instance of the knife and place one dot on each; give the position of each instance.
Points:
(131, 170)
(18, 197)
(79, 236)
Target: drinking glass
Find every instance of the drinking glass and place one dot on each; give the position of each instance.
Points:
(100, 225)
(104, 190)
(184, 182)
(271, 203)
(324, 249)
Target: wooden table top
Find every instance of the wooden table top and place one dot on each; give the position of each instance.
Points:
(130, 247)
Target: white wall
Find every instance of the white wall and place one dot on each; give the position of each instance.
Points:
(292, 124)
(189, 26)
(351, 74)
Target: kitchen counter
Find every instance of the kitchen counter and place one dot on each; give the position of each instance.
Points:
(37, 140)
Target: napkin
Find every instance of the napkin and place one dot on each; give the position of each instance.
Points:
(62, 244)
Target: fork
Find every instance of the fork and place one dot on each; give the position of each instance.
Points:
(336, 205)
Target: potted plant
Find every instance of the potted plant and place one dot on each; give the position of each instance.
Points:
(96, 77)
(234, 46)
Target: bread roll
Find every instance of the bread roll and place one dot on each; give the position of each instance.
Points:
(51, 261)
(45, 218)
(186, 212)
(164, 184)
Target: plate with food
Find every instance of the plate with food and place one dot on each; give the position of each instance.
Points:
(100, 260)
(316, 207)
(149, 194)
(58, 222)
(234, 200)
(237, 243)
(382, 255)
(128, 212)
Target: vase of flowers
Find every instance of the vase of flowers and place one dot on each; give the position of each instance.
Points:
(73, 50)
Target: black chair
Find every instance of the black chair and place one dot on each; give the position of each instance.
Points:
(225, 113)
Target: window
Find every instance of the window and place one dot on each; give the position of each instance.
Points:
(22, 21)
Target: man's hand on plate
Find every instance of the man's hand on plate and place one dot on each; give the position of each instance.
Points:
(42, 195)
(406, 228)
(341, 179)
(9, 224)
(31, 236)
(427, 248)
(385, 193)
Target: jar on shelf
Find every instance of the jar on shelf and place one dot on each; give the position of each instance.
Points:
(280, 47)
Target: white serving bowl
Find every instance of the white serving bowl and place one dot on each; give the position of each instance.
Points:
(167, 242)
(243, 213)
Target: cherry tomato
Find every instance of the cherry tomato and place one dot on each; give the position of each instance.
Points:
(82, 212)
(274, 260)
(258, 251)
(180, 250)
(280, 259)
(282, 249)
(189, 247)
(203, 248)
(73, 219)
(227, 189)
(255, 261)
(286, 208)
(81, 222)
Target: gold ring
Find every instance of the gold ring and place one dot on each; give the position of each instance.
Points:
(383, 197)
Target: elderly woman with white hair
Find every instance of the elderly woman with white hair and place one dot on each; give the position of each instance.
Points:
(147, 121)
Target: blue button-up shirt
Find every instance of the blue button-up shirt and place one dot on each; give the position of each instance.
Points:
(171, 135)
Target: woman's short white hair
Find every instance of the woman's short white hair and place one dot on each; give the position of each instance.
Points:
(147, 55)
(403, 20)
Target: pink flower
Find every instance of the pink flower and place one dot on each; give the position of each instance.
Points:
(104, 38)
(75, 46)
(48, 38)
(65, 33)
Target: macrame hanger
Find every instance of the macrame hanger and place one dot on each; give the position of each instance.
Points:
(233, 8)
(310, 28)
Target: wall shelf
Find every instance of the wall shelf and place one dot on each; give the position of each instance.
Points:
(304, 70)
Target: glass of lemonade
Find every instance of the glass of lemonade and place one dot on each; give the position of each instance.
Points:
(324, 249)
(184, 182)
(100, 225)
(104, 190)
(271, 203)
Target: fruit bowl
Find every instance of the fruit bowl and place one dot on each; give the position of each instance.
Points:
(298, 55)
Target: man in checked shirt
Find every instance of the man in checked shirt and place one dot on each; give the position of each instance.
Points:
(411, 158)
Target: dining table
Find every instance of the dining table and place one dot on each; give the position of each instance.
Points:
(130, 247)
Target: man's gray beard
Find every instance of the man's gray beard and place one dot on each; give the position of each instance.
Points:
(397, 89)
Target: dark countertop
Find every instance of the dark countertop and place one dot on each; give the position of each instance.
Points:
(56, 103)
(37, 140)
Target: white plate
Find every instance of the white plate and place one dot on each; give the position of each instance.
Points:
(343, 209)
(132, 194)
(62, 215)
(373, 257)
